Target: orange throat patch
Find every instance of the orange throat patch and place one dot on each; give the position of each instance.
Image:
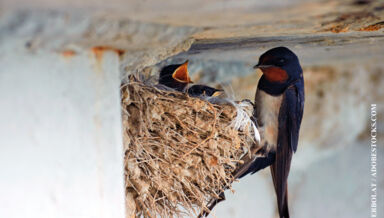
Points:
(275, 74)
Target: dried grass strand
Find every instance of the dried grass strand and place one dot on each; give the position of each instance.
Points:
(179, 151)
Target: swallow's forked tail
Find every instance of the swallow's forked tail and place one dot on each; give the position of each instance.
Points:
(280, 171)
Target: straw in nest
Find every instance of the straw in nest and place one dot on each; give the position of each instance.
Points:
(179, 151)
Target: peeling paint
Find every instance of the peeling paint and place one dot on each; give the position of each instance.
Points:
(373, 27)
(68, 53)
(99, 50)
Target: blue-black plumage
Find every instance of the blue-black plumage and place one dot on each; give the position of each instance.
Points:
(203, 90)
(278, 111)
(279, 105)
(175, 76)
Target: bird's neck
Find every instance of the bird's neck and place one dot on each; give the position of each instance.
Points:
(276, 88)
(172, 83)
(272, 88)
(178, 86)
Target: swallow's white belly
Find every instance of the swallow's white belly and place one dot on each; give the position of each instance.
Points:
(267, 111)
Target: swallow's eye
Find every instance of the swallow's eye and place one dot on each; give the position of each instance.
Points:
(281, 61)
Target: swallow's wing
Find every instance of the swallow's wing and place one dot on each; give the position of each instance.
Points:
(295, 107)
(290, 116)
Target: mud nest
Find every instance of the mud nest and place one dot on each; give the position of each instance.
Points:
(179, 151)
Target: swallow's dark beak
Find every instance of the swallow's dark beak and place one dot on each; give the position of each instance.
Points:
(261, 66)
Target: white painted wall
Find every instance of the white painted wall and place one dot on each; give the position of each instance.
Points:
(60, 135)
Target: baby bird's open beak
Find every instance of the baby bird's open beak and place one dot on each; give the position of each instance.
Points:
(181, 74)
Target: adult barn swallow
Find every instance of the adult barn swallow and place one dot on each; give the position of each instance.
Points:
(278, 111)
(203, 90)
(175, 76)
(279, 105)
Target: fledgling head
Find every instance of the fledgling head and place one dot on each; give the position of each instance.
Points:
(280, 65)
(175, 76)
(203, 90)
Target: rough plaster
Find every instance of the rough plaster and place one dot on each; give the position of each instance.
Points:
(60, 136)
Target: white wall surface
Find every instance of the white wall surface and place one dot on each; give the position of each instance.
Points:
(60, 135)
